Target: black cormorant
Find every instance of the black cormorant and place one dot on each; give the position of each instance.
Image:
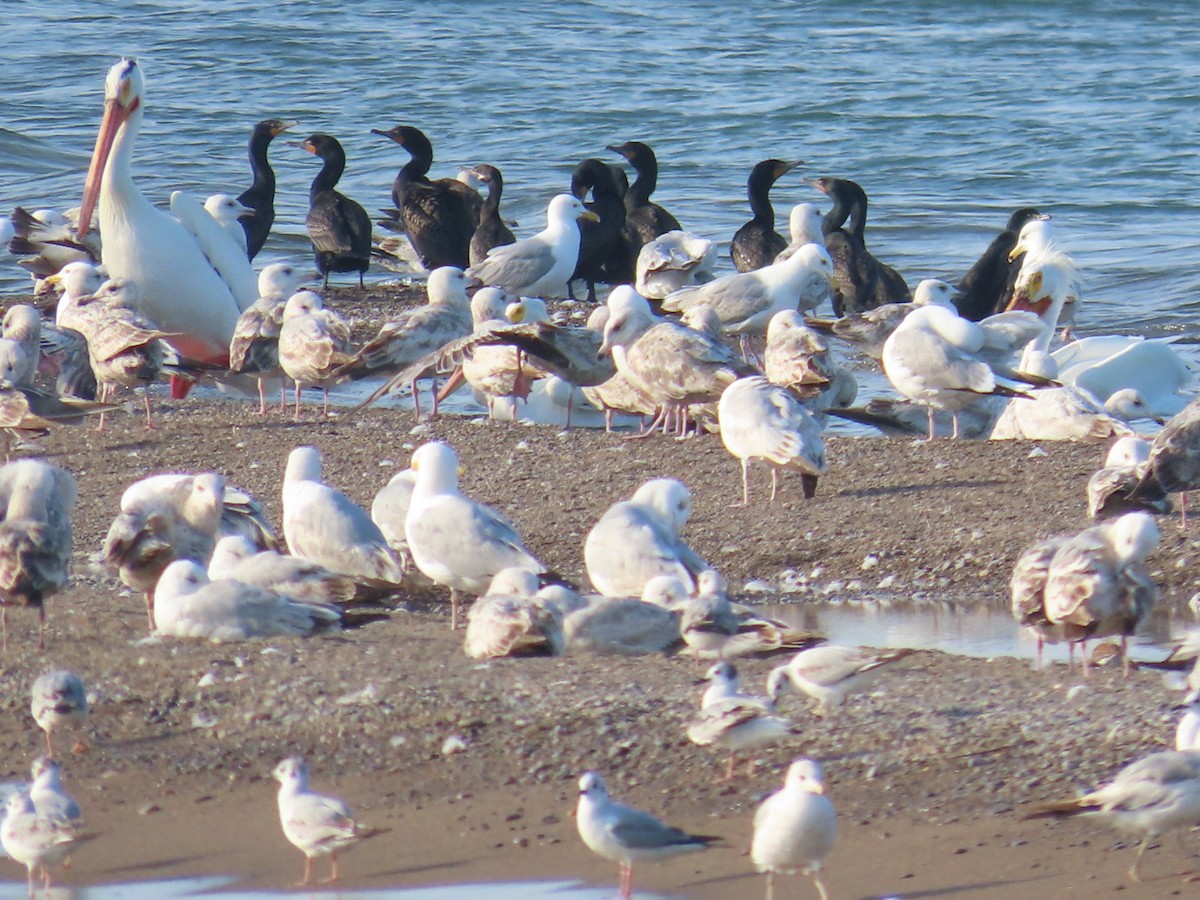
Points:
(987, 286)
(756, 244)
(492, 231)
(260, 196)
(860, 281)
(644, 219)
(439, 216)
(604, 252)
(339, 228)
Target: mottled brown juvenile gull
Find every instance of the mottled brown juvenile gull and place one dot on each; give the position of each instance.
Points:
(456, 541)
(1028, 590)
(626, 835)
(20, 344)
(35, 538)
(1111, 489)
(254, 347)
(639, 539)
(734, 721)
(58, 701)
(673, 261)
(538, 266)
(867, 330)
(830, 673)
(795, 827)
(314, 344)
(1174, 462)
(236, 558)
(509, 621)
(163, 518)
(322, 524)
(763, 421)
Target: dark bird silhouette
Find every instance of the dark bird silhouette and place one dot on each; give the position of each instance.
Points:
(339, 228)
(987, 287)
(440, 216)
(492, 230)
(860, 281)
(757, 243)
(644, 220)
(604, 253)
(260, 196)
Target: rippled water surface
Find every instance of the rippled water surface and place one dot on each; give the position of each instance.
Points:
(949, 114)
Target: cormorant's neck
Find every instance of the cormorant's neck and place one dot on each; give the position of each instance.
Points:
(491, 203)
(263, 185)
(643, 186)
(330, 174)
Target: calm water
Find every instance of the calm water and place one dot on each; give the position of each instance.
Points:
(949, 114)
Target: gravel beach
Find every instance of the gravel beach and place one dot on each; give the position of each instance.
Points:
(931, 770)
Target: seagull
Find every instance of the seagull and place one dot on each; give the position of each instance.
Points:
(314, 344)
(867, 330)
(760, 420)
(1173, 465)
(639, 538)
(795, 827)
(626, 835)
(50, 798)
(315, 824)
(624, 626)
(708, 619)
(1187, 732)
(1110, 487)
(20, 345)
(538, 266)
(163, 518)
(389, 509)
(673, 261)
(830, 673)
(456, 541)
(59, 700)
(36, 841)
(323, 525)
(509, 621)
(804, 227)
(1151, 796)
(228, 212)
(254, 347)
(1028, 586)
(735, 721)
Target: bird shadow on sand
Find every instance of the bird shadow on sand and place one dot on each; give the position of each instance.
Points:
(883, 490)
(955, 890)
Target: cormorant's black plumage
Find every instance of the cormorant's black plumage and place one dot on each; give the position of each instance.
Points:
(260, 196)
(757, 243)
(492, 231)
(860, 281)
(604, 253)
(440, 216)
(644, 220)
(987, 287)
(339, 228)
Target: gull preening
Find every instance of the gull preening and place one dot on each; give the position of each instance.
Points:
(1148, 797)
(1111, 488)
(315, 824)
(58, 701)
(795, 827)
(456, 541)
(830, 673)
(626, 835)
(639, 538)
(734, 721)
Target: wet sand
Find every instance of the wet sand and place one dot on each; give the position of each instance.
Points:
(931, 770)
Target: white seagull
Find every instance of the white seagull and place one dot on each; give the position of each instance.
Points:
(795, 827)
(35, 841)
(58, 701)
(830, 673)
(735, 721)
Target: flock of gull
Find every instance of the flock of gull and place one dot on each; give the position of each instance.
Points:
(674, 347)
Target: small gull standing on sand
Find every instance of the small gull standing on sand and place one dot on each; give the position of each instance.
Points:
(49, 797)
(795, 827)
(1187, 732)
(35, 841)
(314, 343)
(322, 524)
(254, 347)
(58, 701)
(1151, 796)
(735, 721)
(639, 538)
(830, 673)
(760, 420)
(456, 541)
(315, 824)
(626, 835)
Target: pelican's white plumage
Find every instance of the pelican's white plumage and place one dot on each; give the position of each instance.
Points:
(182, 290)
(639, 538)
(454, 540)
(538, 266)
(322, 524)
(760, 420)
(626, 835)
(795, 827)
(315, 824)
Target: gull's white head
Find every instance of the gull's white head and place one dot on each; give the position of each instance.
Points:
(564, 211)
(304, 464)
(292, 772)
(206, 501)
(513, 582)
(78, 279)
(229, 551)
(302, 303)
(934, 292)
(669, 499)
(489, 305)
(804, 224)
(226, 208)
(702, 318)
(45, 771)
(723, 672)
(118, 293)
(1133, 536)
(665, 590)
(1128, 452)
(1036, 235)
(710, 581)
(806, 775)
(629, 315)
(281, 280)
(19, 803)
(447, 286)
(181, 578)
(591, 785)
(1128, 404)
(436, 468)
(22, 323)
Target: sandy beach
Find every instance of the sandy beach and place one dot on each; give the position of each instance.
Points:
(931, 771)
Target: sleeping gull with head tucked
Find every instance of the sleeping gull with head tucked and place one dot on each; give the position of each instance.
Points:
(639, 538)
(626, 835)
(454, 540)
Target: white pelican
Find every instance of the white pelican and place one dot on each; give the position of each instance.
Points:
(183, 292)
